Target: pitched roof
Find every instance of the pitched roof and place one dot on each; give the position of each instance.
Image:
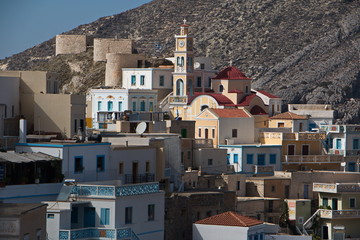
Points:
(231, 73)
(230, 219)
(257, 110)
(267, 94)
(220, 98)
(230, 113)
(247, 99)
(289, 116)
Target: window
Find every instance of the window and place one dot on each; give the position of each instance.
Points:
(75, 125)
(300, 220)
(209, 82)
(273, 188)
(237, 185)
(355, 143)
(247, 89)
(202, 66)
(228, 158)
(206, 133)
(210, 162)
(198, 82)
(305, 149)
(281, 124)
(142, 80)
(325, 202)
(133, 80)
(236, 158)
(51, 216)
(338, 143)
(121, 168)
(120, 108)
(147, 167)
(38, 234)
(78, 165)
(352, 202)
(27, 236)
(128, 215)
(110, 105)
(105, 216)
(188, 154)
(272, 158)
(221, 88)
(261, 159)
(100, 163)
(249, 158)
(142, 105)
(99, 105)
(291, 150)
(134, 106)
(75, 215)
(151, 106)
(162, 81)
(199, 133)
(151, 212)
(234, 133)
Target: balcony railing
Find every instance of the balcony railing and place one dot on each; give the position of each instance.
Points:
(339, 214)
(293, 136)
(112, 117)
(178, 99)
(336, 187)
(97, 233)
(354, 152)
(102, 191)
(140, 178)
(336, 151)
(203, 143)
(314, 158)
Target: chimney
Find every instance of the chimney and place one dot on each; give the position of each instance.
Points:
(22, 131)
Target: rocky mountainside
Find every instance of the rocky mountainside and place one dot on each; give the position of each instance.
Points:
(304, 51)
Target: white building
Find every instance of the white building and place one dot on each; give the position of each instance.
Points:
(254, 158)
(109, 105)
(319, 114)
(230, 225)
(108, 210)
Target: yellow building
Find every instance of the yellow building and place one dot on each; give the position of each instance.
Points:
(222, 125)
(230, 88)
(339, 210)
(297, 123)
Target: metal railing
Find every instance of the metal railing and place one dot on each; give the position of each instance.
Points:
(96, 233)
(339, 214)
(139, 178)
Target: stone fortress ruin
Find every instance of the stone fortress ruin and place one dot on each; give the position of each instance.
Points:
(117, 53)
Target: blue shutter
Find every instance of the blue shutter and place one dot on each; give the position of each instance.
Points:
(236, 158)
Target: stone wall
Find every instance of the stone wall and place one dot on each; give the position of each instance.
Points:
(102, 46)
(71, 44)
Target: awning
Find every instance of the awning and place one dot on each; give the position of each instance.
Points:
(12, 156)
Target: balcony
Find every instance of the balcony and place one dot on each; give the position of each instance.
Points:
(355, 152)
(203, 143)
(336, 187)
(112, 117)
(314, 158)
(293, 136)
(339, 214)
(336, 151)
(140, 178)
(97, 233)
(104, 191)
(178, 99)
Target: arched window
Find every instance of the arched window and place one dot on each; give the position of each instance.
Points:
(204, 107)
(142, 105)
(190, 87)
(179, 87)
(178, 62)
(206, 133)
(182, 61)
(221, 88)
(247, 89)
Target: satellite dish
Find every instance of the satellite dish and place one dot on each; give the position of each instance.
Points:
(141, 127)
(197, 65)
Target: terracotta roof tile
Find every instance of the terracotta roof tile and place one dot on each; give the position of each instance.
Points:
(247, 100)
(289, 116)
(230, 113)
(230, 219)
(267, 94)
(231, 73)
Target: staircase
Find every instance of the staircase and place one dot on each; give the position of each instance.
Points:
(308, 224)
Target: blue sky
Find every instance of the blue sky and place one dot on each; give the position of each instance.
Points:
(26, 23)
